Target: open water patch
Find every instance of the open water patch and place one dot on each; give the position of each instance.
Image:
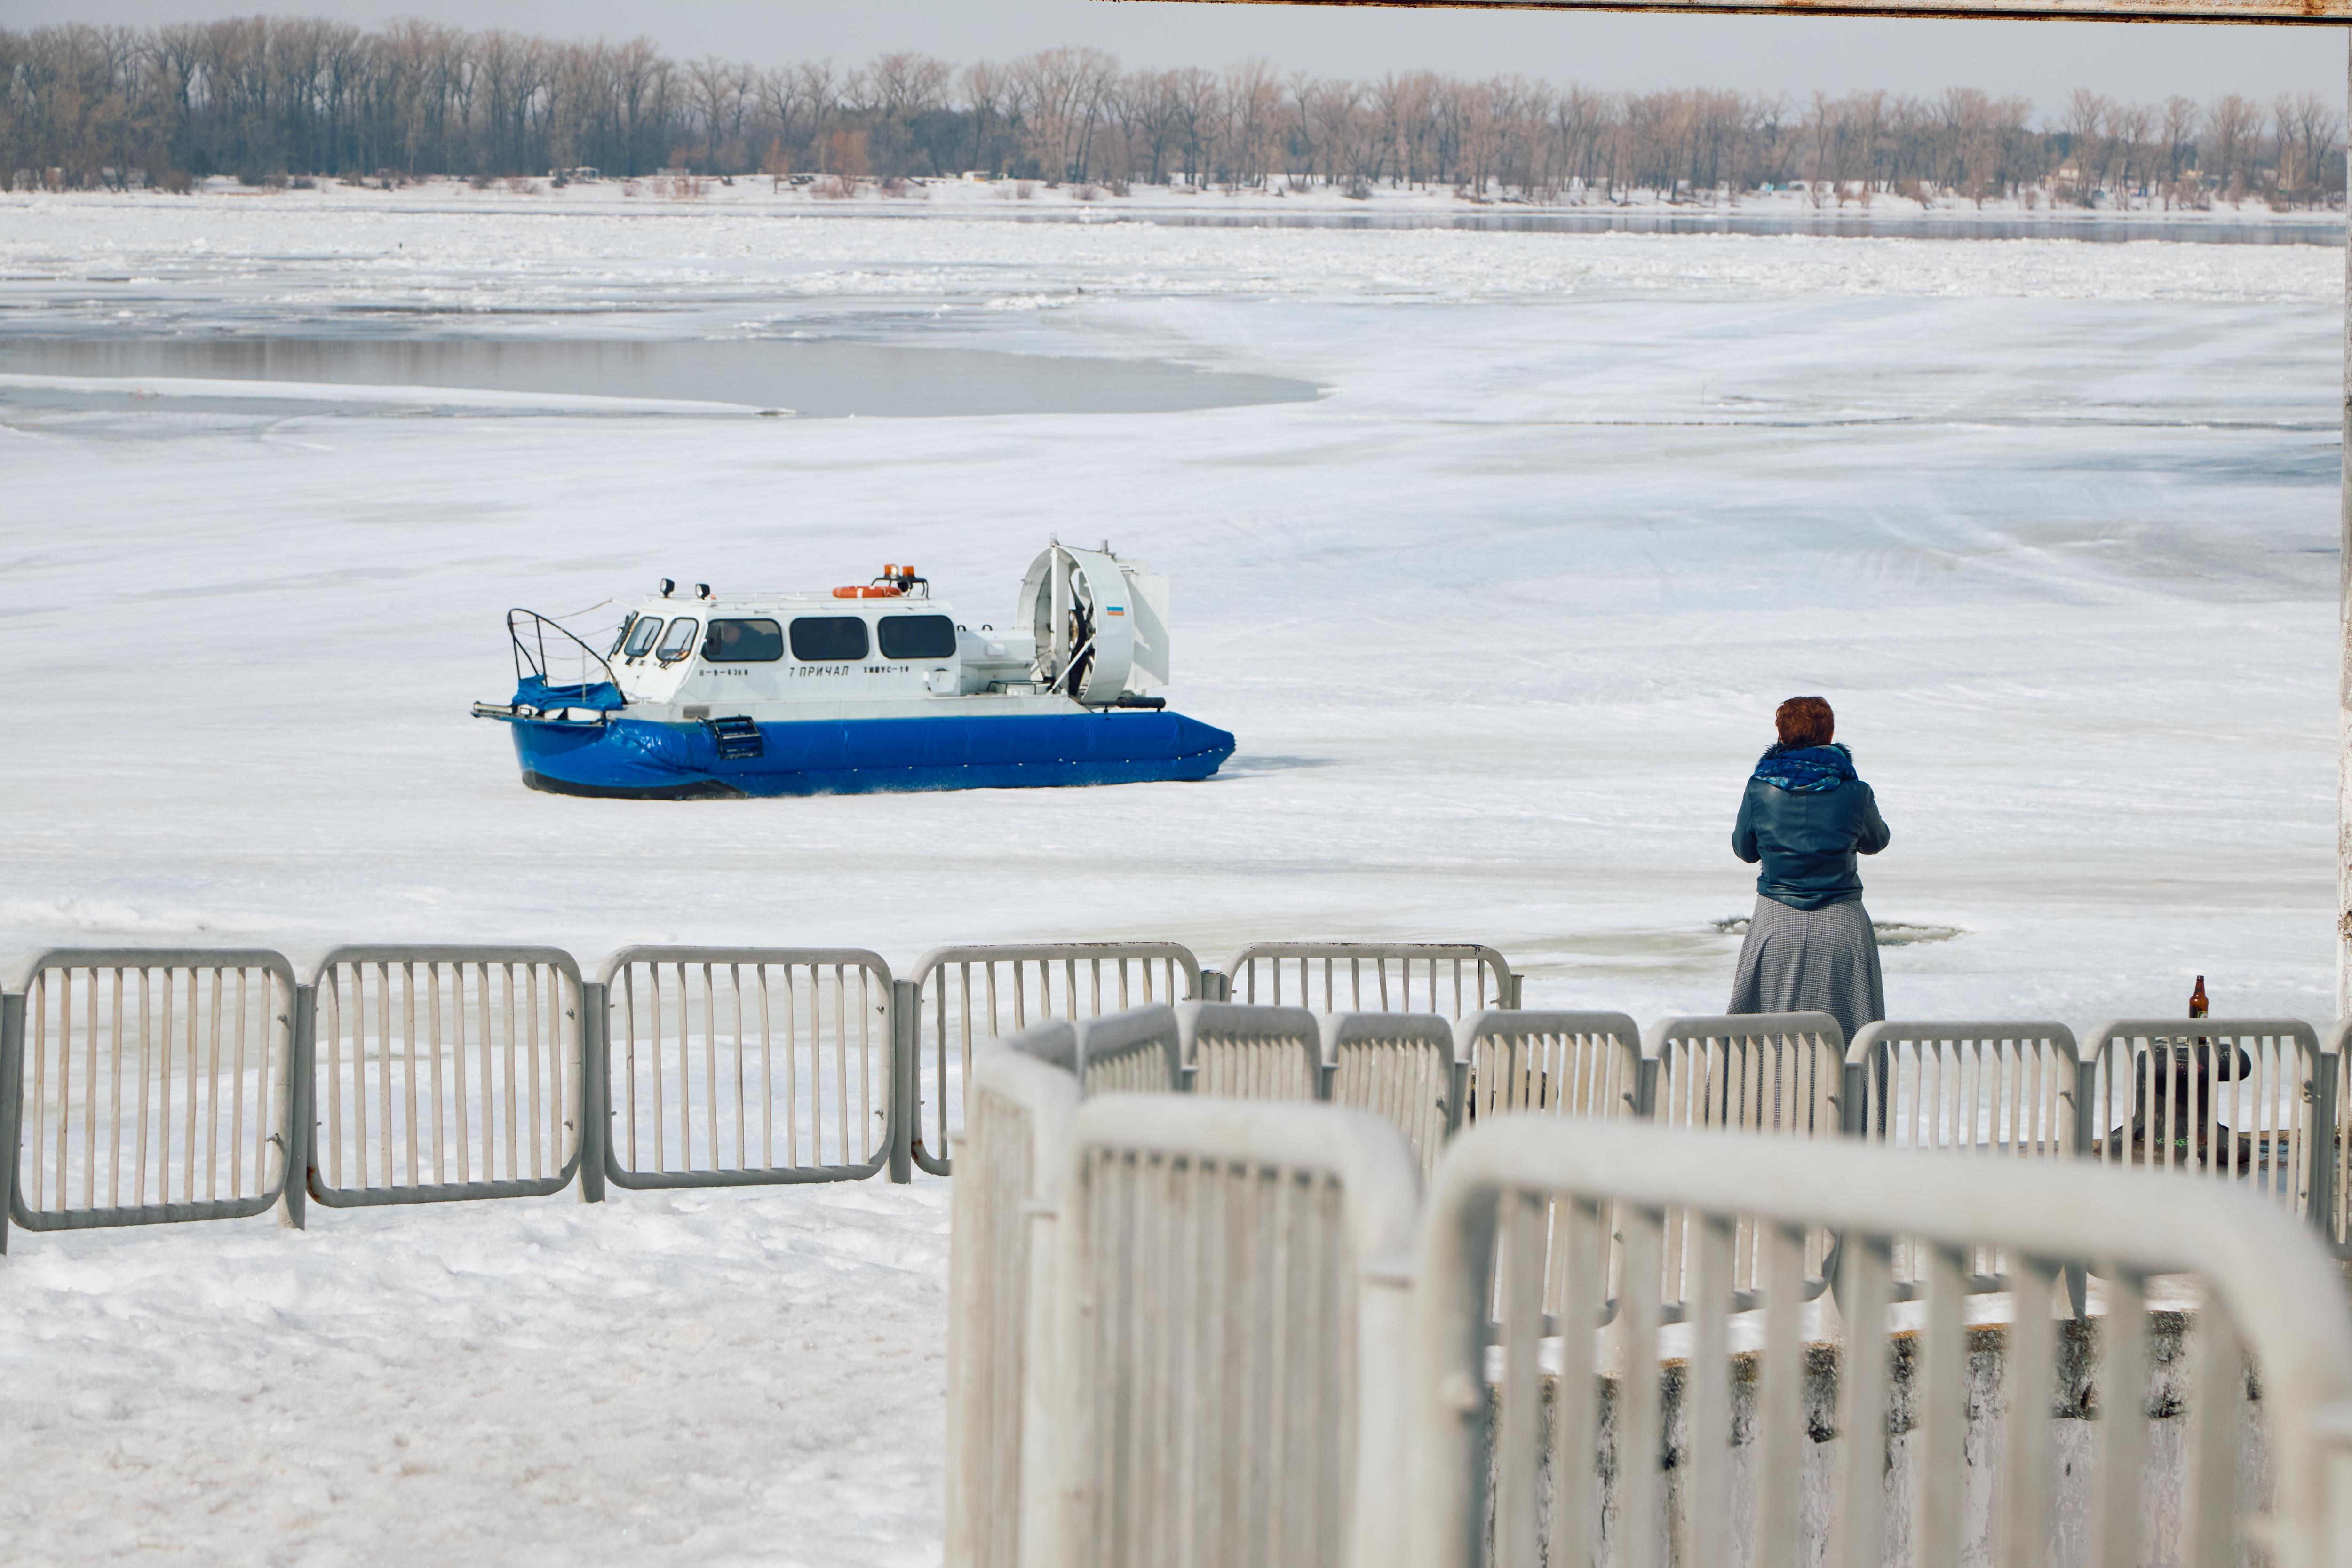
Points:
(813, 377)
(1890, 933)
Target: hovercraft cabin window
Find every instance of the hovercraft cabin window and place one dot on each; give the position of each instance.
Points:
(829, 639)
(744, 643)
(918, 637)
(642, 633)
(678, 641)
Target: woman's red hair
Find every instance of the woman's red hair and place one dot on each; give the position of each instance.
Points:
(1805, 721)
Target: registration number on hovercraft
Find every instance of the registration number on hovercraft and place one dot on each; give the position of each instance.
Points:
(800, 670)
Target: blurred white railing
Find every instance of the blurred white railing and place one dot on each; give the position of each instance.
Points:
(1011, 1155)
(1507, 1476)
(1244, 1052)
(2005, 1089)
(1456, 978)
(1562, 1064)
(1758, 1073)
(1580, 1065)
(1781, 1074)
(1231, 1321)
(968, 994)
(1140, 1050)
(444, 1073)
(2332, 1143)
(736, 1066)
(1572, 1398)
(1401, 1067)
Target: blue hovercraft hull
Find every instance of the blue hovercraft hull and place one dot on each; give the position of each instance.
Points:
(639, 760)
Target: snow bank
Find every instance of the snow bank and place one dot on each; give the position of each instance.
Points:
(713, 1378)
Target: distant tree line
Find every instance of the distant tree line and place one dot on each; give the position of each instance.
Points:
(264, 98)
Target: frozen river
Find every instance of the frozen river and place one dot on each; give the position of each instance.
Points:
(1499, 613)
(1499, 616)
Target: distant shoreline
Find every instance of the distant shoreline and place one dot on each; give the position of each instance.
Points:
(1789, 211)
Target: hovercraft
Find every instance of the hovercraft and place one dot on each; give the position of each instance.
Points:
(868, 687)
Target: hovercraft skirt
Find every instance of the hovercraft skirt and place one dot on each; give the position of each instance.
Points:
(707, 789)
(640, 759)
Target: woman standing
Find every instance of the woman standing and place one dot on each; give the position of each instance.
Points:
(1805, 816)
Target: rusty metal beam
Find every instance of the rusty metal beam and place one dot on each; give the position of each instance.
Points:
(2327, 12)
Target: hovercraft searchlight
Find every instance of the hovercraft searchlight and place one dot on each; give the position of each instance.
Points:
(878, 687)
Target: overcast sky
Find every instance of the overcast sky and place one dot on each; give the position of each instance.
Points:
(1794, 55)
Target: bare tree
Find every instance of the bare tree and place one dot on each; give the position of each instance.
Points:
(1252, 105)
(1062, 94)
(261, 97)
(1197, 102)
(2232, 125)
(2084, 120)
(2128, 149)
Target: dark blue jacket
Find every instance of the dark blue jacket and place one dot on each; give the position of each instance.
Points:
(1806, 837)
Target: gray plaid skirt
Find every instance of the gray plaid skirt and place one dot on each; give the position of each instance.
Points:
(1820, 960)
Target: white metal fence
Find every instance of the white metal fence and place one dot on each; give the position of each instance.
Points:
(149, 1085)
(1521, 1460)
(412, 1073)
(737, 1066)
(1140, 1050)
(1232, 1309)
(1222, 1390)
(1252, 1052)
(1562, 1063)
(1581, 1065)
(2235, 1099)
(970, 994)
(2005, 1089)
(1456, 978)
(444, 1073)
(2000, 1087)
(2332, 1143)
(1403, 1067)
(1781, 1074)
(1759, 1072)
(1002, 1254)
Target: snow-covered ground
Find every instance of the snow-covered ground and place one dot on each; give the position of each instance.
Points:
(724, 1377)
(1500, 621)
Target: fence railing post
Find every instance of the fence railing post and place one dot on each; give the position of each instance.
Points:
(301, 1077)
(595, 1086)
(1645, 1089)
(2087, 1111)
(1216, 987)
(2326, 1069)
(1854, 1101)
(1516, 982)
(2088, 1114)
(12, 1106)
(906, 1014)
